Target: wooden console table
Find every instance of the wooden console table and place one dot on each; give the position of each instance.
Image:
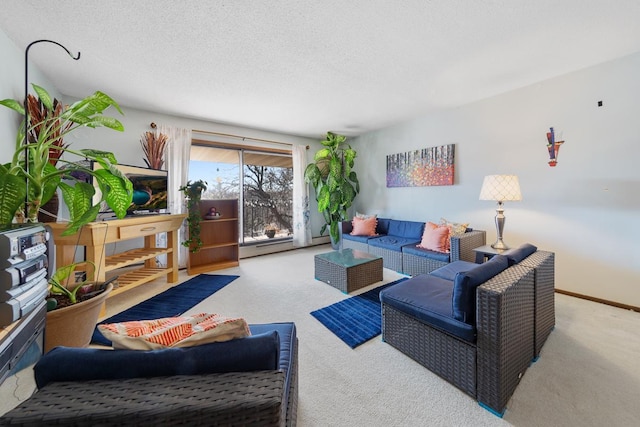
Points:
(95, 235)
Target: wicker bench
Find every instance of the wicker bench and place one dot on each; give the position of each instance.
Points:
(263, 397)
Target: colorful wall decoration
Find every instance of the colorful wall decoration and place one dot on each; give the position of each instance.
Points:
(421, 168)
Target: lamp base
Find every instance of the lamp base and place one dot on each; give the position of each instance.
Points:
(500, 245)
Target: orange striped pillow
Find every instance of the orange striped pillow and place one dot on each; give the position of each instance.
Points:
(185, 331)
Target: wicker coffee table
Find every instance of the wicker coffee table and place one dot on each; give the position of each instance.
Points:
(348, 269)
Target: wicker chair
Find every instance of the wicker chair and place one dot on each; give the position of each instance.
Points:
(490, 368)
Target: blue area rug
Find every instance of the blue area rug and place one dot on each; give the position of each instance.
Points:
(172, 302)
(357, 319)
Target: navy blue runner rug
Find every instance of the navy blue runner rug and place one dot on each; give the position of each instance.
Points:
(170, 303)
(357, 319)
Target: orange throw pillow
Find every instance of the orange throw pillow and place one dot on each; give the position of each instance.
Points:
(435, 238)
(184, 331)
(364, 226)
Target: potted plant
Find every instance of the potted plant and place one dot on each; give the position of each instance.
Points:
(73, 308)
(270, 231)
(193, 193)
(337, 185)
(30, 179)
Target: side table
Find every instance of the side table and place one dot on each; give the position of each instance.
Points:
(486, 252)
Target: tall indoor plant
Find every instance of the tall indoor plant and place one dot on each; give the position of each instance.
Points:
(334, 181)
(30, 180)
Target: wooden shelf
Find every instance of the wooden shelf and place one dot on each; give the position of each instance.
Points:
(95, 235)
(220, 247)
(134, 256)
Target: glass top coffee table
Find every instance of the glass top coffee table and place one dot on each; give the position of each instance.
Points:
(348, 269)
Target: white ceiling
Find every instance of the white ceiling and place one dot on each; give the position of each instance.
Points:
(307, 66)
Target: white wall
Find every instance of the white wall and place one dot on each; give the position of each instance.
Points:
(585, 209)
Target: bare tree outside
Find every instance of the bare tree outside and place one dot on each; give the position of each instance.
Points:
(267, 188)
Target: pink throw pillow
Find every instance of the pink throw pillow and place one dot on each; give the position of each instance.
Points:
(435, 238)
(364, 227)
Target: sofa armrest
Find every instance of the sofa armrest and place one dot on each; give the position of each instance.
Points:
(462, 246)
(505, 315)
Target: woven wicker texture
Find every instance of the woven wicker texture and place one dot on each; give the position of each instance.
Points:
(348, 278)
(352, 244)
(543, 263)
(461, 249)
(292, 398)
(505, 334)
(391, 259)
(452, 359)
(247, 398)
(462, 246)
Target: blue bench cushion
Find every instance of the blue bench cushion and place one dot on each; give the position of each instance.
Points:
(409, 229)
(465, 284)
(428, 298)
(393, 243)
(449, 271)
(287, 334)
(516, 255)
(414, 250)
(269, 347)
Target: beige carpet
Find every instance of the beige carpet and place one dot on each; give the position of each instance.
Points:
(588, 373)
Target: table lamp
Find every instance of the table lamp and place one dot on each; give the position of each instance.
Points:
(500, 188)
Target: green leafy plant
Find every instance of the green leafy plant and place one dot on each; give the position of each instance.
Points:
(59, 288)
(30, 180)
(193, 193)
(335, 183)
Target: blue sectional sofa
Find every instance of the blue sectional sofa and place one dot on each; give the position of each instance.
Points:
(478, 326)
(247, 381)
(396, 242)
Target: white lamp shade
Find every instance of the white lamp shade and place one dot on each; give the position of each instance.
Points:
(500, 188)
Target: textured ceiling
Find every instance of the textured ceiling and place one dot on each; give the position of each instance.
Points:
(304, 67)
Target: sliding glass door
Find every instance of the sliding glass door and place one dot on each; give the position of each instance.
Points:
(261, 180)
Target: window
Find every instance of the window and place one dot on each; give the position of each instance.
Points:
(266, 180)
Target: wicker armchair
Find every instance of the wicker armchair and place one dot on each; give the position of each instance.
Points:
(490, 368)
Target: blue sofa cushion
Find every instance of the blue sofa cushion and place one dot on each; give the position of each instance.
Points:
(428, 298)
(383, 226)
(253, 353)
(414, 250)
(465, 284)
(393, 243)
(409, 229)
(449, 271)
(514, 256)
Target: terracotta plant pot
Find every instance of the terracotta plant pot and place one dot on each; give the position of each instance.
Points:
(73, 326)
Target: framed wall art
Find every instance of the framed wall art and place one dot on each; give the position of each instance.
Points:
(421, 168)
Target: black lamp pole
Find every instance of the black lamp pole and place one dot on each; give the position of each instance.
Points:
(26, 110)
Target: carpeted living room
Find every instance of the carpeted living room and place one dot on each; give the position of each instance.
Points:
(451, 118)
(375, 384)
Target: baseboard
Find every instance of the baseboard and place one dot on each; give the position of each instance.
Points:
(600, 300)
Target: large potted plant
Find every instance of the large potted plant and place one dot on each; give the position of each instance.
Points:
(73, 308)
(335, 183)
(30, 179)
